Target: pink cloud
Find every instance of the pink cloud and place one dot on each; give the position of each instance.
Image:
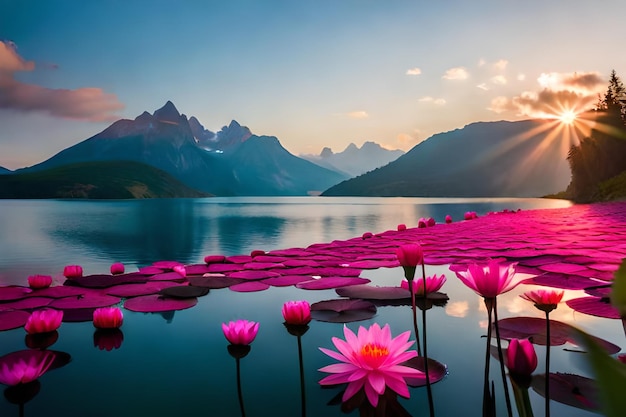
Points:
(91, 103)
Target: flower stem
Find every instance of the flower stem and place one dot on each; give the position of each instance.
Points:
(302, 391)
(429, 390)
(522, 400)
(239, 393)
(486, 392)
(417, 335)
(547, 364)
(501, 359)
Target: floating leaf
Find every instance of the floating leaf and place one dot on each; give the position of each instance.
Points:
(92, 301)
(253, 275)
(369, 292)
(13, 319)
(106, 281)
(14, 292)
(330, 282)
(214, 282)
(26, 303)
(62, 291)
(534, 328)
(135, 290)
(184, 291)
(342, 310)
(574, 390)
(158, 303)
(436, 371)
(287, 280)
(251, 286)
(594, 306)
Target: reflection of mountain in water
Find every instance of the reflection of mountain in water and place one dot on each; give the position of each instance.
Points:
(143, 232)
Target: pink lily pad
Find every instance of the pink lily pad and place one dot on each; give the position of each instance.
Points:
(106, 281)
(330, 282)
(342, 311)
(603, 291)
(337, 271)
(197, 269)
(225, 267)
(13, 319)
(184, 291)
(26, 303)
(562, 268)
(573, 390)
(436, 371)
(167, 276)
(286, 280)
(78, 315)
(369, 292)
(214, 282)
(251, 286)
(239, 259)
(158, 303)
(564, 281)
(296, 263)
(253, 275)
(150, 270)
(298, 252)
(14, 292)
(92, 301)
(135, 290)
(61, 291)
(270, 259)
(534, 329)
(262, 265)
(214, 259)
(166, 264)
(594, 306)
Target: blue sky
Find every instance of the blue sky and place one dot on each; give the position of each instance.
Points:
(312, 73)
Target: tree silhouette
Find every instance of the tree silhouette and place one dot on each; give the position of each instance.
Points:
(602, 155)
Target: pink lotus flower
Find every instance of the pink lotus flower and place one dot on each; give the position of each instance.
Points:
(117, 268)
(371, 360)
(433, 284)
(367, 235)
(470, 215)
(421, 223)
(24, 366)
(108, 318)
(489, 280)
(73, 271)
(257, 252)
(38, 282)
(43, 321)
(401, 227)
(544, 300)
(521, 357)
(430, 222)
(448, 219)
(410, 254)
(180, 270)
(297, 312)
(240, 332)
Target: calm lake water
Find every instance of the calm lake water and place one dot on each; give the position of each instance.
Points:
(176, 364)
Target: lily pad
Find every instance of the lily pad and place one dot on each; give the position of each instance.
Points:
(214, 282)
(135, 290)
(197, 269)
(286, 280)
(253, 275)
(166, 264)
(61, 291)
(214, 259)
(369, 292)
(330, 282)
(594, 306)
(167, 276)
(26, 303)
(573, 390)
(250, 286)
(106, 281)
(534, 328)
(13, 319)
(158, 303)
(184, 291)
(14, 292)
(342, 310)
(92, 301)
(436, 371)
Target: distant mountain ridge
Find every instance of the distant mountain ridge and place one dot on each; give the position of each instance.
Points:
(216, 163)
(96, 180)
(484, 159)
(4, 170)
(354, 160)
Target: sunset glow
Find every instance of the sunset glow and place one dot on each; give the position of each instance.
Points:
(567, 117)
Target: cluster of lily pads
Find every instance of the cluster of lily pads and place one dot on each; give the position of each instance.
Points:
(580, 247)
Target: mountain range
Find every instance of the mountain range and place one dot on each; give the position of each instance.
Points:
(4, 170)
(354, 161)
(484, 159)
(96, 180)
(230, 162)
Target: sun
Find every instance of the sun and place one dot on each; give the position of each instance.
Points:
(567, 117)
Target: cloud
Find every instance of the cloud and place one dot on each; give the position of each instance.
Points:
(549, 102)
(405, 139)
(500, 104)
(429, 99)
(358, 114)
(582, 83)
(498, 80)
(501, 64)
(521, 77)
(413, 71)
(91, 104)
(458, 73)
(483, 86)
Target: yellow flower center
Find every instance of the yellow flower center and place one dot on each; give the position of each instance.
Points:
(374, 354)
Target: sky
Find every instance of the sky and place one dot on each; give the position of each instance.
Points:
(315, 74)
